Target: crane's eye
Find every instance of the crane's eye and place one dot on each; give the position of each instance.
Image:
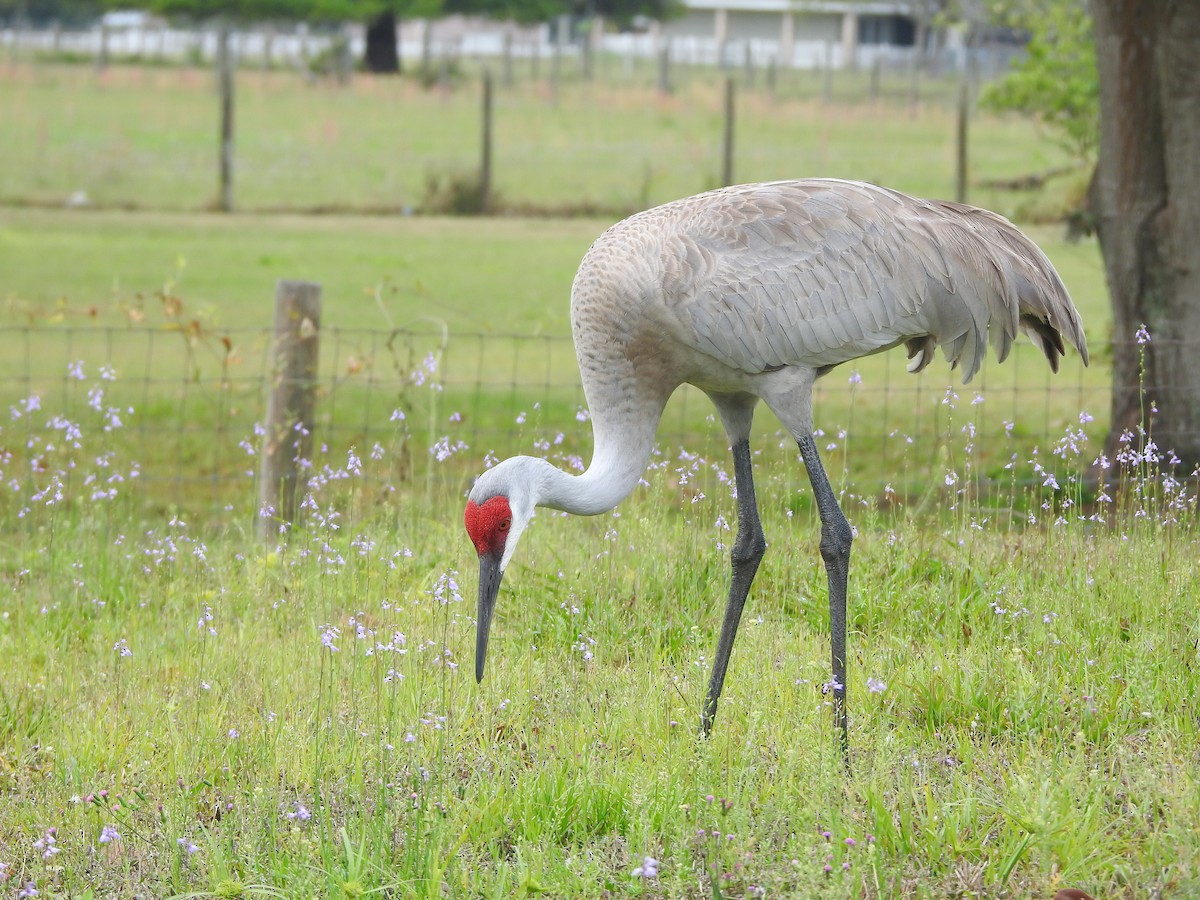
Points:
(503, 526)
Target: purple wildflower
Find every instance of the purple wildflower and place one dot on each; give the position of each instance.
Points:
(648, 868)
(301, 813)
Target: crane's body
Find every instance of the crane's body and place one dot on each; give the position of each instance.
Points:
(751, 293)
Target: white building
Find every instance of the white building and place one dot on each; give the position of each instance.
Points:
(803, 33)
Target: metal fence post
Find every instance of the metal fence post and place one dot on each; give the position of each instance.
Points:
(291, 402)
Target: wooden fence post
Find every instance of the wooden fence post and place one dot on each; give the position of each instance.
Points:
(827, 75)
(101, 49)
(225, 82)
(485, 162)
(426, 50)
(960, 138)
(727, 142)
(507, 60)
(291, 403)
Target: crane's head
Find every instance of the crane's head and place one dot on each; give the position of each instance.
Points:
(499, 507)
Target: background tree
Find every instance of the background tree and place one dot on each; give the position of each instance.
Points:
(1056, 81)
(381, 53)
(1146, 202)
(45, 12)
(1120, 86)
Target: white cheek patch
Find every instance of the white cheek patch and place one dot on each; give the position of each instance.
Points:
(519, 523)
(514, 534)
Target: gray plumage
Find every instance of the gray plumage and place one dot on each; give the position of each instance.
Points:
(753, 292)
(819, 272)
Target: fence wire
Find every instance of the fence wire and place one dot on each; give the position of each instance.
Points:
(391, 146)
(185, 405)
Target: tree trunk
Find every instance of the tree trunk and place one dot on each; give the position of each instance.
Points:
(1146, 196)
(382, 54)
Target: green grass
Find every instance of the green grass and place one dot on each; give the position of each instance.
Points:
(147, 138)
(1038, 642)
(191, 364)
(1035, 731)
(1038, 648)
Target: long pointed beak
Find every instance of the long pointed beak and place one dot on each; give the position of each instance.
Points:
(489, 587)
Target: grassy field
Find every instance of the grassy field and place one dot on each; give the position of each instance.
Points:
(194, 374)
(188, 711)
(147, 138)
(192, 713)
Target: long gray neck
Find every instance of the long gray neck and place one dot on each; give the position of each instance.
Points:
(623, 445)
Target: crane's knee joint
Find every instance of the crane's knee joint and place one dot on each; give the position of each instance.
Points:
(749, 548)
(836, 539)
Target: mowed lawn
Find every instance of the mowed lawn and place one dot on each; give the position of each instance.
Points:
(186, 709)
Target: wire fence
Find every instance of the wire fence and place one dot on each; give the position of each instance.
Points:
(144, 137)
(181, 409)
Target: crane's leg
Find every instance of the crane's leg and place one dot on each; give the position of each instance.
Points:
(748, 549)
(835, 550)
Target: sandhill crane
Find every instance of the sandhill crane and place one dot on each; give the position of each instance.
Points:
(752, 293)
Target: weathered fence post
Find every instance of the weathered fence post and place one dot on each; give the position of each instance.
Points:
(291, 403)
(485, 162)
(426, 50)
(101, 49)
(268, 47)
(507, 60)
(225, 83)
(727, 141)
(827, 74)
(664, 69)
(960, 138)
(588, 49)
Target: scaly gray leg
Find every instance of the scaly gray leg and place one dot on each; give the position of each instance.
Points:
(748, 549)
(836, 537)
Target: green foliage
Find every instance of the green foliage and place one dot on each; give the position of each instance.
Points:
(46, 11)
(1057, 81)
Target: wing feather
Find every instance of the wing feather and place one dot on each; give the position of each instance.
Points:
(820, 271)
